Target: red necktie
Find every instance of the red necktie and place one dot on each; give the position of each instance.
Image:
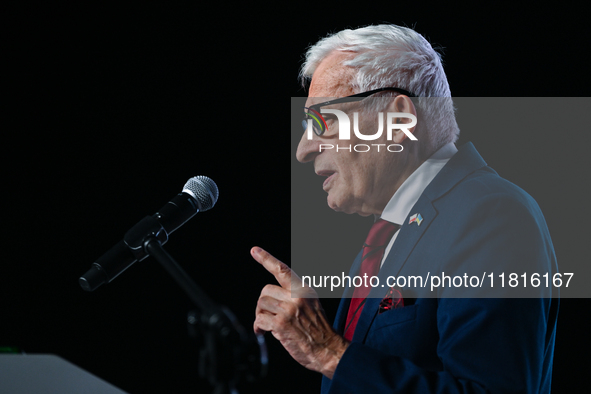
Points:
(373, 250)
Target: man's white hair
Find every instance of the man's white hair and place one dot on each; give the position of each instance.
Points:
(395, 56)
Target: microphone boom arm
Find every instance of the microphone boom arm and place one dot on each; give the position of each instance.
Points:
(228, 352)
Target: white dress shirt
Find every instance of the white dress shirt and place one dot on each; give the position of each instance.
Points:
(411, 189)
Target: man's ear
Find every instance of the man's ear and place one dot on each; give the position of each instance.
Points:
(402, 104)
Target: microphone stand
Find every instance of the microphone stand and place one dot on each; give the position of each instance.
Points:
(228, 353)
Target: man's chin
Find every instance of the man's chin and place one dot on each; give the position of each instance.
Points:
(347, 207)
(332, 204)
(339, 206)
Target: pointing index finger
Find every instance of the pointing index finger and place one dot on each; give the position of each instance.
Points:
(282, 273)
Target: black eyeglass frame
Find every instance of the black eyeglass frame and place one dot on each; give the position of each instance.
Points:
(352, 98)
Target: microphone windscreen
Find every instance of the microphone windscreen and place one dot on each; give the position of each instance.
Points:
(204, 190)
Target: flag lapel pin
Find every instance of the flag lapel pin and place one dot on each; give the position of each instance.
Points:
(416, 218)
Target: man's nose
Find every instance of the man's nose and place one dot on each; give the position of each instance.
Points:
(307, 149)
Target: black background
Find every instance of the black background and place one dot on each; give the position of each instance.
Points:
(109, 110)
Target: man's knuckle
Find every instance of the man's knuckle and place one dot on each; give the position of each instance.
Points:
(284, 269)
(260, 303)
(266, 290)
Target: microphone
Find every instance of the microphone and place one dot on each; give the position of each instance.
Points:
(199, 194)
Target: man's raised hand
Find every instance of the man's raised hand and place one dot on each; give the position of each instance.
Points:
(293, 314)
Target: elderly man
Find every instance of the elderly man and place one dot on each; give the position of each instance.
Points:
(435, 207)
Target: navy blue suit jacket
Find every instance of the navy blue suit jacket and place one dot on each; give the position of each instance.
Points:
(474, 221)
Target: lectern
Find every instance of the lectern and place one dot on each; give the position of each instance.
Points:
(48, 374)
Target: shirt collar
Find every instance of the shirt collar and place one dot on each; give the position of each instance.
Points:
(411, 189)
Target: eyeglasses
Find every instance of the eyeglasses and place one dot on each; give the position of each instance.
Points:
(319, 125)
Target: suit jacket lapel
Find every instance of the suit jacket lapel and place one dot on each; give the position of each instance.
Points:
(463, 163)
(406, 241)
